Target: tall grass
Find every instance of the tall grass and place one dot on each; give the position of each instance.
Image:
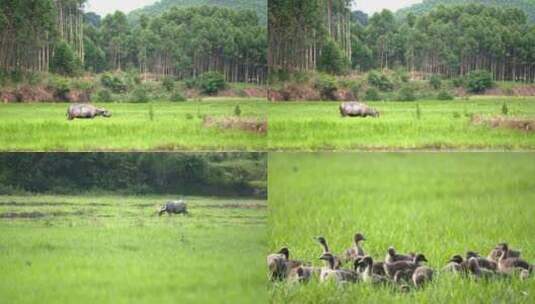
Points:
(306, 126)
(44, 127)
(115, 249)
(439, 204)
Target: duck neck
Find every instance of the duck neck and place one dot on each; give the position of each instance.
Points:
(325, 247)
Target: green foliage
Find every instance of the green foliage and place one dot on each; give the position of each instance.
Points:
(63, 62)
(478, 81)
(151, 113)
(186, 173)
(114, 83)
(60, 86)
(332, 59)
(211, 82)
(168, 84)
(458, 82)
(407, 93)
(435, 82)
(237, 110)
(104, 95)
(444, 95)
(258, 6)
(327, 86)
(505, 109)
(177, 96)
(380, 81)
(140, 95)
(372, 95)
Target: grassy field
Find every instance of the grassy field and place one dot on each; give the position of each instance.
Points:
(307, 126)
(113, 249)
(174, 126)
(439, 204)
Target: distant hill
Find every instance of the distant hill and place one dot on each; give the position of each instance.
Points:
(259, 6)
(528, 6)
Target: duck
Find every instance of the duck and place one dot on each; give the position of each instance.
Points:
(377, 268)
(422, 275)
(280, 265)
(357, 250)
(508, 264)
(325, 247)
(393, 256)
(303, 274)
(495, 253)
(482, 262)
(454, 264)
(393, 267)
(478, 271)
(368, 275)
(338, 275)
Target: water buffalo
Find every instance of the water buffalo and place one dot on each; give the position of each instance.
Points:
(82, 110)
(174, 207)
(357, 109)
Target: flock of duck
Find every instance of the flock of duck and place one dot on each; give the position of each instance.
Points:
(404, 271)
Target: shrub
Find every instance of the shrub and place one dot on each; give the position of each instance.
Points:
(63, 62)
(444, 95)
(211, 82)
(332, 59)
(237, 110)
(327, 86)
(402, 75)
(113, 83)
(478, 81)
(190, 83)
(372, 95)
(104, 95)
(458, 82)
(435, 82)
(505, 109)
(176, 96)
(60, 86)
(406, 93)
(380, 81)
(168, 84)
(139, 95)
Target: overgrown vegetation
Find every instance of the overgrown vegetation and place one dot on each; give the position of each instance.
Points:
(220, 174)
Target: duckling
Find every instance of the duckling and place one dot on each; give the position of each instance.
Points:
(478, 271)
(393, 256)
(303, 274)
(422, 275)
(482, 262)
(507, 264)
(454, 264)
(280, 265)
(368, 275)
(323, 243)
(357, 250)
(391, 268)
(377, 268)
(338, 275)
(276, 263)
(494, 253)
(524, 274)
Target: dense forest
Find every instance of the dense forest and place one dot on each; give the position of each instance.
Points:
(527, 6)
(30, 30)
(230, 174)
(451, 41)
(56, 35)
(301, 30)
(259, 6)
